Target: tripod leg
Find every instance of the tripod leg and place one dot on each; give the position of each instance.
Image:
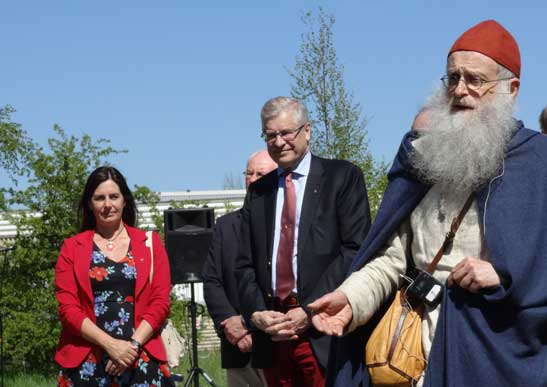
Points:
(207, 377)
(191, 377)
(195, 370)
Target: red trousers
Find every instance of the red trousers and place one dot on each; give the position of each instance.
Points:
(294, 365)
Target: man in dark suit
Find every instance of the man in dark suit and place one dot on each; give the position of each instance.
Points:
(220, 287)
(302, 224)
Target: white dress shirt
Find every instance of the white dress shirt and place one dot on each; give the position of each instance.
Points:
(299, 178)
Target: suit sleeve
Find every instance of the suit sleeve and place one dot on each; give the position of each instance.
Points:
(159, 303)
(71, 312)
(217, 301)
(251, 298)
(353, 217)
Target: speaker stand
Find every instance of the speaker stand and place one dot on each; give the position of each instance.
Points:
(195, 371)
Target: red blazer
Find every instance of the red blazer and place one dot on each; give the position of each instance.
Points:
(75, 298)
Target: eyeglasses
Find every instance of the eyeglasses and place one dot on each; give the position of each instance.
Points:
(472, 82)
(286, 135)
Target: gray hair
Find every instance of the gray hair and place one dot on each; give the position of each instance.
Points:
(275, 106)
(543, 120)
(505, 73)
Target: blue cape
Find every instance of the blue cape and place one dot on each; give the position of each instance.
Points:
(498, 337)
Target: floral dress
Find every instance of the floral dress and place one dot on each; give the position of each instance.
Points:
(113, 285)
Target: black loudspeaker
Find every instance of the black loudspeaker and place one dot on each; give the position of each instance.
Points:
(188, 234)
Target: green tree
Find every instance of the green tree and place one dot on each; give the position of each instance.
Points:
(143, 194)
(45, 213)
(337, 120)
(14, 144)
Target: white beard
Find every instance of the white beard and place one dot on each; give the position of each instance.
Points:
(463, 150)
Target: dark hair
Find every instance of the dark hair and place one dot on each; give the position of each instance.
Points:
(543, 120)
(97, 177)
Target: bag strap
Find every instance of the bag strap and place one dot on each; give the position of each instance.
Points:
(449, 238)
(151, 247)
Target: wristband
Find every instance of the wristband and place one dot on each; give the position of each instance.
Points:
(136, 344)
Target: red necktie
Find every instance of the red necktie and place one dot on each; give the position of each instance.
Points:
(284, 272)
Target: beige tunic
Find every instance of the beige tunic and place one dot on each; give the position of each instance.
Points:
(421, 236)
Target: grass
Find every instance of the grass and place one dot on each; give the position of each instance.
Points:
(208, 361)
(30, 381)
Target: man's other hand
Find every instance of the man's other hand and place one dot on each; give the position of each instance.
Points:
(474, 274)
(233, 329)
(246, 343)
(266, 319)
(289, 330)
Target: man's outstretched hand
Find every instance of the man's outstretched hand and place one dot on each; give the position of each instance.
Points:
(331, 313)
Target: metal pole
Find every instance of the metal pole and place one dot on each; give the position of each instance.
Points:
(194, 333)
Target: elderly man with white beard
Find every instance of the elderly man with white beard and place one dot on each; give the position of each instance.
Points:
(490, 328)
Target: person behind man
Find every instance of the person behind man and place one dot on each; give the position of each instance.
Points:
(220, 287)
(302, 224)
(490, 330)
(543, 120)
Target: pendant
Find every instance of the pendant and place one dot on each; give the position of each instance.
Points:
(110, 245)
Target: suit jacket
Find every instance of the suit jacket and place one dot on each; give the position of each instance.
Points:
(220, 286)
(75, 297)
(334, 220)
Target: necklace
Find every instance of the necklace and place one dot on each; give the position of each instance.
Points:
(110, 245)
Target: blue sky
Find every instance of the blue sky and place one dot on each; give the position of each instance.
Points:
(180, 84)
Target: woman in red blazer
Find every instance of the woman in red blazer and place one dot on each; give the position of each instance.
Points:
(110, 309)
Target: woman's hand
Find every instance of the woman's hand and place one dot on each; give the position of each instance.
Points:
(121, 352)
(114, 369)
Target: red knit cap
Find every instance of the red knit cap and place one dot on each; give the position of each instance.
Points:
(491, 39)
